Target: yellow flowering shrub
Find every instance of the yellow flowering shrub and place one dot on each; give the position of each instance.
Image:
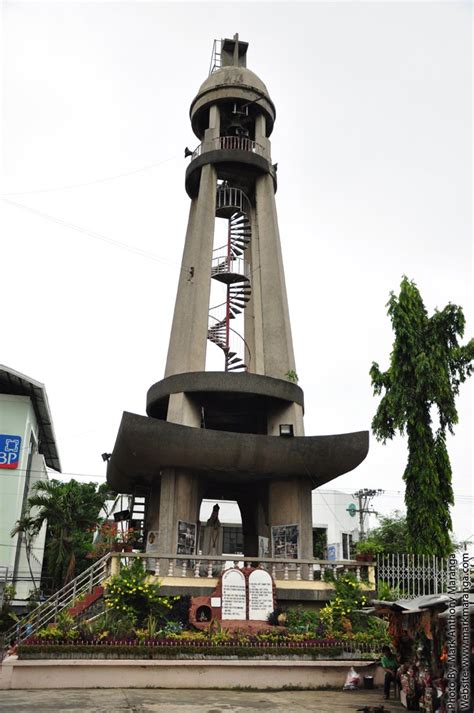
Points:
(128, 593)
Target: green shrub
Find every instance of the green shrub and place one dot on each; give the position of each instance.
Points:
(277, 617)
(302, 620)
(388, 593)
(128, 593)
(348, 595)
(64, 622)
(54, 633)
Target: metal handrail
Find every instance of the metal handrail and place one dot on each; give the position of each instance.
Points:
(222, 264)
(60, 600)
(231, 197)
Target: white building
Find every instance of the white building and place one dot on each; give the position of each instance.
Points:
(27, 450)
(335, 524)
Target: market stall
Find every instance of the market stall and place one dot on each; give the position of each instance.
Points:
(432, 636)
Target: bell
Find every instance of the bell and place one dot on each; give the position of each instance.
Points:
(236, 124)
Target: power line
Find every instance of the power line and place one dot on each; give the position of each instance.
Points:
(93, 234)
(94, 182)
(52, 474)
(365, 497)
(396, 494)
(333, 512)
(14, 547)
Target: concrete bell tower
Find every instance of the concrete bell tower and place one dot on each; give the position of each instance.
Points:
(237, 433)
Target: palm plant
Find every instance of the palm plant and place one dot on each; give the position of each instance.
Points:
(71, 510)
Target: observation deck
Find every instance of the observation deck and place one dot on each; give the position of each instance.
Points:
(230, 152)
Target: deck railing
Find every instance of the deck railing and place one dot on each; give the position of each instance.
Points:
(229, 143)
(209, 567)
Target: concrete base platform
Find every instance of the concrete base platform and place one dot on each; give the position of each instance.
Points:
(217, 673)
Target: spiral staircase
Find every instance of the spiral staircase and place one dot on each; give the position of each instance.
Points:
(230, 268)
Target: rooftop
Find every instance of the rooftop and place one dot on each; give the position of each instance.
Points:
(16, 384)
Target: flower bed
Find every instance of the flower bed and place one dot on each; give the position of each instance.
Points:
(163, 649)
(160, 648)
(139, 623)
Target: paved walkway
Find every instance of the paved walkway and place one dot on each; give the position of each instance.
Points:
(190, 701)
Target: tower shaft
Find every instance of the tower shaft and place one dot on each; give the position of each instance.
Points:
(221, 435)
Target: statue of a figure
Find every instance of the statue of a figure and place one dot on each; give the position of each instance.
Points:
(213, 535)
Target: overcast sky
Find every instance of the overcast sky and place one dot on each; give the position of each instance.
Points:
(373, 144)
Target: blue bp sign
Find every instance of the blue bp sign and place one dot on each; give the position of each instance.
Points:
(10, 449)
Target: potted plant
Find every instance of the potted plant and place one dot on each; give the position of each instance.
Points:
(366, 550)
(106, 539)
(130, 539)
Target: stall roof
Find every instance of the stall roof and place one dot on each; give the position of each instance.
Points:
(428, 601)
(460, 610)
(16, 384)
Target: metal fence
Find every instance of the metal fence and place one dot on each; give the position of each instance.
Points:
(415, 575)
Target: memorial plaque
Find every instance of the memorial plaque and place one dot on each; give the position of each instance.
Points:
(261, 602)
(234, 598)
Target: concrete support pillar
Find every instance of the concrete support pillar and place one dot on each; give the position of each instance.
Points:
(273, 337)
(215, 118)
(253, 318)
(260, 127)
(289, 413)
(182, 410)
(289, 503)
(153, 509)
(261, 136)
(180, 500)
(248, 510)
(188, 340)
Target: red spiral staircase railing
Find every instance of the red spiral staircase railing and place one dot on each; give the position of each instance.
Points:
(229, 267)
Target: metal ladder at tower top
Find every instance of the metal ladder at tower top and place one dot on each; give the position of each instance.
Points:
(216, 57)
(229, 267)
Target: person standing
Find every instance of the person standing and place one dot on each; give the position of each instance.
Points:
(389, 663)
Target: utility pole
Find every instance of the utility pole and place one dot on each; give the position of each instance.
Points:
(364, 498)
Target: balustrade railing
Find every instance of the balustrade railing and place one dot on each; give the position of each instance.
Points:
(209, 567)
(229, 143)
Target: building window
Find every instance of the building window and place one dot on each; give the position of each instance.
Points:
(346, 546)
(233, 543)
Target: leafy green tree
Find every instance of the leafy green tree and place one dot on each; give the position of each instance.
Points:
(7, 615)
(427, 367)
(391, 534)
(71, 510)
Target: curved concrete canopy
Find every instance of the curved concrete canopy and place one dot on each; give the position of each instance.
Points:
(221, 382)
(145, 446)
(231, 83)
(250, 166)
